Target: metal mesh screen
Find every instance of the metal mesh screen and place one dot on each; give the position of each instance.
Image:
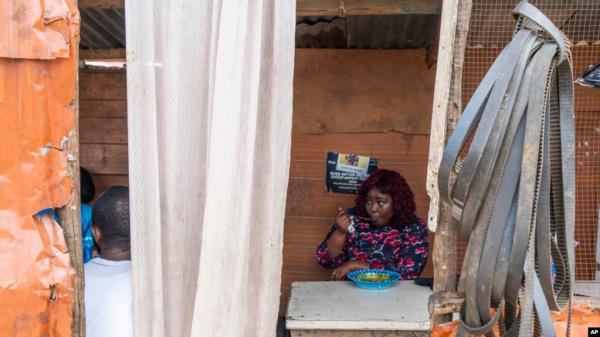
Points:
(491, 28)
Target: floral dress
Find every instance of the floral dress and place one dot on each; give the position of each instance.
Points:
(401, 249)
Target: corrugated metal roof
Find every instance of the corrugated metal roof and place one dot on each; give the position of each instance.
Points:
(102, 28)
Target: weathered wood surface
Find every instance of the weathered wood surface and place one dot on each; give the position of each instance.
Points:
(103, 130)
(366, 7)
(103, 127)
(447, 107)
(387, 147)
(362, 91)
(441, 97)
(444, 258)
(444, 303)
(104, 158)
(101, 3)
(104, 181)
(327, 7)
(70, 221)
(98, 54)
(103, 108)
(102, 85)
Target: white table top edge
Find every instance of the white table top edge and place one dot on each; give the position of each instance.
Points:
(356, 325)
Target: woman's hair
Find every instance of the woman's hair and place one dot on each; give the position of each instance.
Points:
(88, 190)
(392, 183)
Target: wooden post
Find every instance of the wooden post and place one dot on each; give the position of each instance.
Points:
(70, 220)
(444, 303)
(446, 110)
(444, 260)
(70, 214)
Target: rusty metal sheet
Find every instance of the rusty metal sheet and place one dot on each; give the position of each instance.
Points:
(36, 29)
(36, 280)
(37, 99)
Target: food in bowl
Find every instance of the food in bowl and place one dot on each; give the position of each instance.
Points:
(374, 278)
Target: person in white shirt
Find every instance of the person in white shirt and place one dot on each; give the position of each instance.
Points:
(108, 277)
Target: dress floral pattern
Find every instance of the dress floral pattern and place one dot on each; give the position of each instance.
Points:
(401, 249)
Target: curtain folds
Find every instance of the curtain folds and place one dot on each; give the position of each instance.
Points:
(209, 117)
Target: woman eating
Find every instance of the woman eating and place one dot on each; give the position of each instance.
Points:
(381, 231)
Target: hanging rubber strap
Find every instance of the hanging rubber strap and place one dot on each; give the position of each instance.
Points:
(513, 155)
(532, 13)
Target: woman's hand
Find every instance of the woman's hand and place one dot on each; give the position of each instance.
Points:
(343, 270)
(342, 221)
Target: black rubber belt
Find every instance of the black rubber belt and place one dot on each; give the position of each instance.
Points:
(514, 194)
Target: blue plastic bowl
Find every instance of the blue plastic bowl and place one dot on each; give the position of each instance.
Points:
(374, 278)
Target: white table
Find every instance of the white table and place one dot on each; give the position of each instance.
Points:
(341, 309)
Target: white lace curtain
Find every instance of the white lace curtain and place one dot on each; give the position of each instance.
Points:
(209, 113)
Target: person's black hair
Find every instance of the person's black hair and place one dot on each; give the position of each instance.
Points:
(88, 190)
(111, 216)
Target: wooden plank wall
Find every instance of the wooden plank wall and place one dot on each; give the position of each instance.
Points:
(369, 102)
(103, 126)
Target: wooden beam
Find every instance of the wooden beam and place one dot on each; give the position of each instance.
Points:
(444, 258)
(366, 7)
(101, 3)
(447, 107)
(102, 54)
(444, 303)
(70, 221)
(441, 96)
(328, 7)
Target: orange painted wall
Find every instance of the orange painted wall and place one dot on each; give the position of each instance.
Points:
(38, 83)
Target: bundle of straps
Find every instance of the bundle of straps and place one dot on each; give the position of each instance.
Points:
(508, 171)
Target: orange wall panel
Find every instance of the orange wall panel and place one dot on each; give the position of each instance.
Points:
(37, 99)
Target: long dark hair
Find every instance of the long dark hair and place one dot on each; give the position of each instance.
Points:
(88, 189)
(392, 183)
